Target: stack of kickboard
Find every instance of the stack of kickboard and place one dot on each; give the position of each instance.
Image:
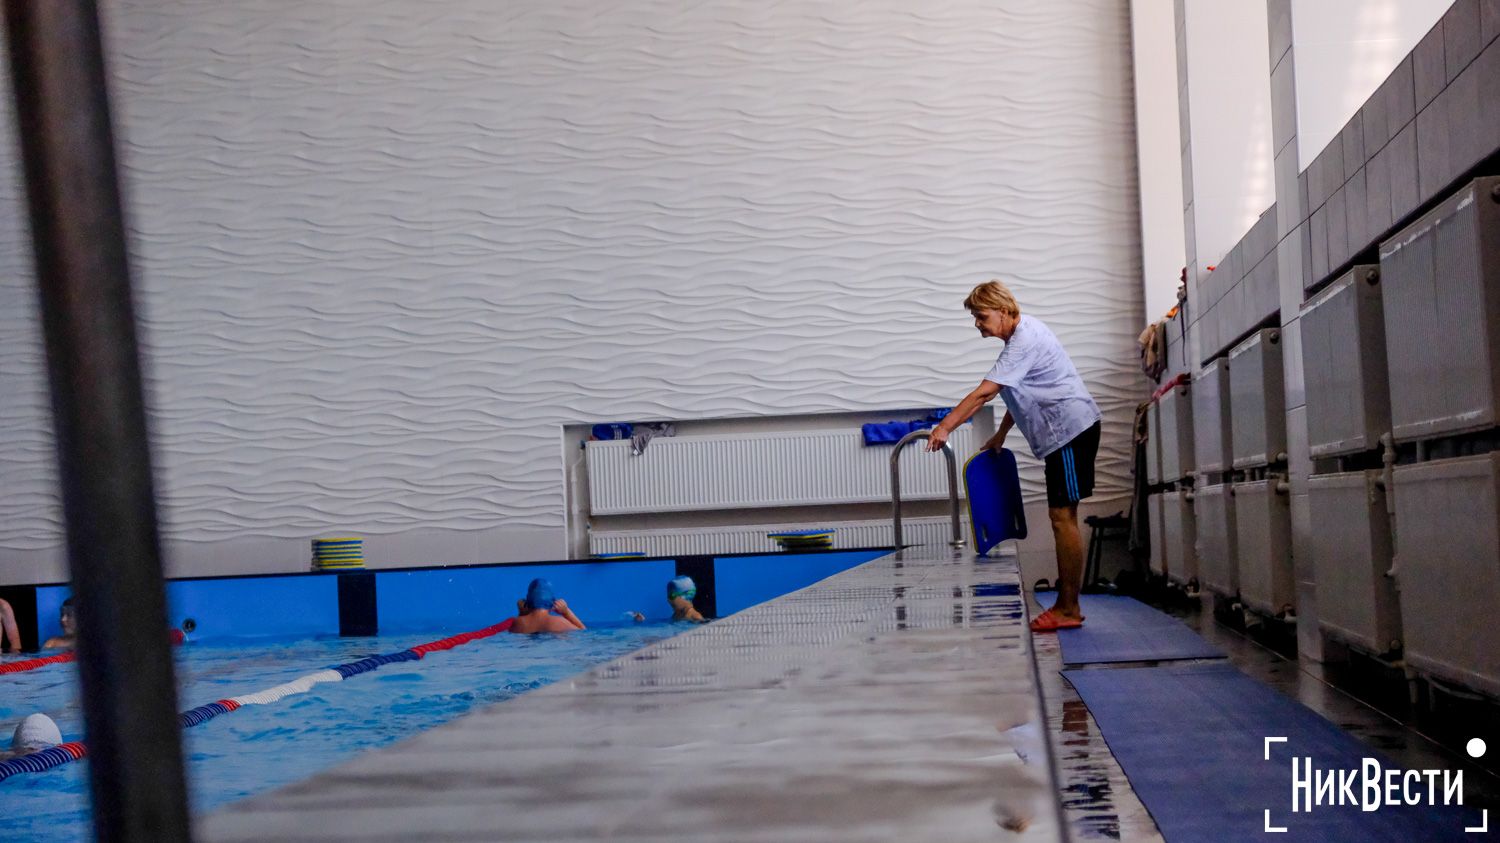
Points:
(633, 554)
(804, 539)
(337, 554)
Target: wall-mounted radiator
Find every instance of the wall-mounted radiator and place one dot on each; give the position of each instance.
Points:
(1158, 559)
(751, 538)
(1257, 400)
(1153, 443)
(1180, 536)
(1343, 358)
(1263, 547)
(803, 468)
(1212, 434)
(1441, 280)
(1176, 409)
(1351, 554)
(1447, 529)
(1217, 539)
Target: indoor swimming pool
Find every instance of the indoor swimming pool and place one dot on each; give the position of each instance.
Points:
(258, 748)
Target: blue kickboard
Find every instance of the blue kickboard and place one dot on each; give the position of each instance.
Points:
(1123, 629)
(993, 486)
(1192, 741)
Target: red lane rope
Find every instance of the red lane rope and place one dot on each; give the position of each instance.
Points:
(450, 643)
(33, 664)
(176, 636)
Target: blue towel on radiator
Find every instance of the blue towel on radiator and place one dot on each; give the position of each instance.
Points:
(618, 430)
(889, 433)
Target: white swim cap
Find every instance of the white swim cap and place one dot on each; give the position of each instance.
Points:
(36, 732)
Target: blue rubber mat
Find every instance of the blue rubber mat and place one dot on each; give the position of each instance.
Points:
(1123, 629)
(1192, 741)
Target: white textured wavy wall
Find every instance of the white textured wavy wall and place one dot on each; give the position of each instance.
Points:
(385, 248)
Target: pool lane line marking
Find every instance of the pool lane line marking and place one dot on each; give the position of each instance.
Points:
(56, 756)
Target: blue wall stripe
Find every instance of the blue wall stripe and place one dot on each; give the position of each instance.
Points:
(466, 598)
(744, 581)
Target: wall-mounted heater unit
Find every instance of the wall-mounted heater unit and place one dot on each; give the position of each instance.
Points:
(751, 538)
(744, 471)
(1351, 554)
(1176, 410)
(1263, 526)
(1218, 559)
(1448, 567)
(1343, 361)
(1153, 443)
(1257, 399)
(1441, 280)
(1180, 527)
(1211, 417)
(1158, 559)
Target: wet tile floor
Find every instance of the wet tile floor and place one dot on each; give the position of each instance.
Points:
(1097, 799)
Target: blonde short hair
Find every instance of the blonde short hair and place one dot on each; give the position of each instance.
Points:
(992, 295)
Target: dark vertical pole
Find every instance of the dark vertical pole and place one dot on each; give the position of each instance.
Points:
(129, 695)
(358, 611)
(701, 569)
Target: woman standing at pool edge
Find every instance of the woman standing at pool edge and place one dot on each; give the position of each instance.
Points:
(1045, 397)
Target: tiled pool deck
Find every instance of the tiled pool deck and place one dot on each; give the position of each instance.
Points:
(897, 700)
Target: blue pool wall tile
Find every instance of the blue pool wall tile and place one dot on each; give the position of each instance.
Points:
(256, 606)
(461, 599)
(49, 599)
(448, 600)
(744, 581)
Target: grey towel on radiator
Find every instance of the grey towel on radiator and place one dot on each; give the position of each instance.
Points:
(644, 433)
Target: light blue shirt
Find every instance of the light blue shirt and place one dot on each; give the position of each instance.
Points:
(1042, 389)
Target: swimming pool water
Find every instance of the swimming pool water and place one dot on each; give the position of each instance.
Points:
(261, 747)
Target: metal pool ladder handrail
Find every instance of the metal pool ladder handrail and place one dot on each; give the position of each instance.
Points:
(958, 537)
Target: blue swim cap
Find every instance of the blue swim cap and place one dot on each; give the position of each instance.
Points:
(539, 594)
(682, 587)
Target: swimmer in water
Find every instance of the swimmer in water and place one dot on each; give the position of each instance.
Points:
(34, 734)
(68, 617)
(680, 593)
(534, 613)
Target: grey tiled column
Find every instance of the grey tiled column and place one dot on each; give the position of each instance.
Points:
(1293, 268)
(1195, 273)
(1293, 256)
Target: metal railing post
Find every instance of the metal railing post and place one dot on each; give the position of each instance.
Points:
(958, 538)
(78, 232)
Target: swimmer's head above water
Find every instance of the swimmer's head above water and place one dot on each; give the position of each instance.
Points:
(35, 733)
(539, 594)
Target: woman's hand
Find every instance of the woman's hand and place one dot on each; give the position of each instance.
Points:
(560, 606)
(939, 436)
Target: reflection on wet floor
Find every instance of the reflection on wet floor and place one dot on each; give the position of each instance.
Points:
(1098, 801)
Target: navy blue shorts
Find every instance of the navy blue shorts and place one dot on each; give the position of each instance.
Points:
(1070, 469)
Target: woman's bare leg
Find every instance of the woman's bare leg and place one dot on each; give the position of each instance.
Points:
(1069, 542)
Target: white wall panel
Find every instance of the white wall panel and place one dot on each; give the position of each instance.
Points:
(384, 249)
(1229, 93)
(1345, 49)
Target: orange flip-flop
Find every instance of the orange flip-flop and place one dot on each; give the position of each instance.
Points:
(1050, 621)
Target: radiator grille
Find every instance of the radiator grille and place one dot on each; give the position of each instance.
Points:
(752, 538)
(737, 472)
